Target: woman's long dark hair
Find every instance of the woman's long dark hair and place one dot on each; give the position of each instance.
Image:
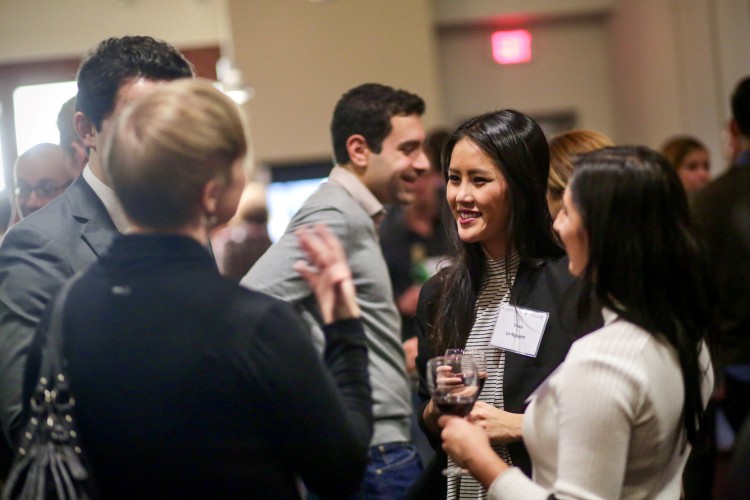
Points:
(518, 148)
(645, 260)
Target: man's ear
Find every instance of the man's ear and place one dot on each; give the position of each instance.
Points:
(85, 129)
(359, 152)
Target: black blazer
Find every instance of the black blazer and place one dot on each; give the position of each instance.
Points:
(544, 285)
(722, 212)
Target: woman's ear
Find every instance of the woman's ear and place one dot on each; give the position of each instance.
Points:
(359, 153)
(210, 197)
(85, 129)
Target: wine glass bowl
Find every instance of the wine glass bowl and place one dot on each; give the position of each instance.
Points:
(453, 382)
(479, 359)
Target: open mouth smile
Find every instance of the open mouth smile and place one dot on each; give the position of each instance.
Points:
(467, 216)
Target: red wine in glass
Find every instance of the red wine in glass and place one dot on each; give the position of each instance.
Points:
(482, 379)
(460, 407)
(453, 382)
(479, 359)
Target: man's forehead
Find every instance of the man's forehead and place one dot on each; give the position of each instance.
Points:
(406, 128)
(48, 166)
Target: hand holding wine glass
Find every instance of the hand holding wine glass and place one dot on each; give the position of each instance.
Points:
(453, 382)
(479, 359)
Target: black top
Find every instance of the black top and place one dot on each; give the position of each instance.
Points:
(542, 286)
(406, 254)
(722, 212)
(188, 385)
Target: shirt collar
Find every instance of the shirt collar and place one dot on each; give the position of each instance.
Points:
(363, 196)
(108, 198)
(609, 315)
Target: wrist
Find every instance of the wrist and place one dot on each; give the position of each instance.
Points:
(485, 465)
(517, 428)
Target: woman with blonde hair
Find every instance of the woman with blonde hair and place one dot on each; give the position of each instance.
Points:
(563, 149)
(187, 385)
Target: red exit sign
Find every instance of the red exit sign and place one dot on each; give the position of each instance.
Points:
(511, 47)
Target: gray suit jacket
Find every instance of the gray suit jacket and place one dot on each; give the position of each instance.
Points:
(37, 256)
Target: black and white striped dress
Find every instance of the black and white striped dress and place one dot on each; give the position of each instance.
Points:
(494, 291)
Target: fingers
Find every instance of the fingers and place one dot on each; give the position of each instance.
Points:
(445, 419)
(305, 270)
(324, 250)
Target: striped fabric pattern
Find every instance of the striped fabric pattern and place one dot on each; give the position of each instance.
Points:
(494, 292)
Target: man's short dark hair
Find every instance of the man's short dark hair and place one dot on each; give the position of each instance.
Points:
(367, 110)
(741, 106)
(116, 61)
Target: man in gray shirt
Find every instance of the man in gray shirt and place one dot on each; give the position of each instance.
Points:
(377, 138)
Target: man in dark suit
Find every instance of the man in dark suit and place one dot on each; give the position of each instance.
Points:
(722, 210)
(44, 250)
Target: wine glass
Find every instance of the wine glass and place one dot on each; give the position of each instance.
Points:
(479, 359)
(453, 382)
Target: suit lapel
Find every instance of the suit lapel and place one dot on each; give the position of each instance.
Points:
(97, 228)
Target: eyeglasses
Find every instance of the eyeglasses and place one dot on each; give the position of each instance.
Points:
(44, 191)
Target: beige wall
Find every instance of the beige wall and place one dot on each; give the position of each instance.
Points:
(731, 28)
(675, 63)
(569, 71)
(452, 12)
(45, 29)
(639, 70)
(301, 56)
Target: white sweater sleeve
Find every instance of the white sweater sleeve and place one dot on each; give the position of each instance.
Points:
(514, 484)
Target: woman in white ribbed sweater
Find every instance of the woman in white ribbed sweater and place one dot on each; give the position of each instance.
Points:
(619, 416)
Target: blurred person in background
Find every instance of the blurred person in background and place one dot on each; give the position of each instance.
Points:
(40, 174)
(563, 149)
(76, 152)
(690, 158)
(722, 211)
(239, 244)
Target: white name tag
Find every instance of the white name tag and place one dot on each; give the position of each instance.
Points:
(519, 330)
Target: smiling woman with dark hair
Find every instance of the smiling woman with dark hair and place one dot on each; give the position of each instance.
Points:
(506, 260)
(618, 418)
